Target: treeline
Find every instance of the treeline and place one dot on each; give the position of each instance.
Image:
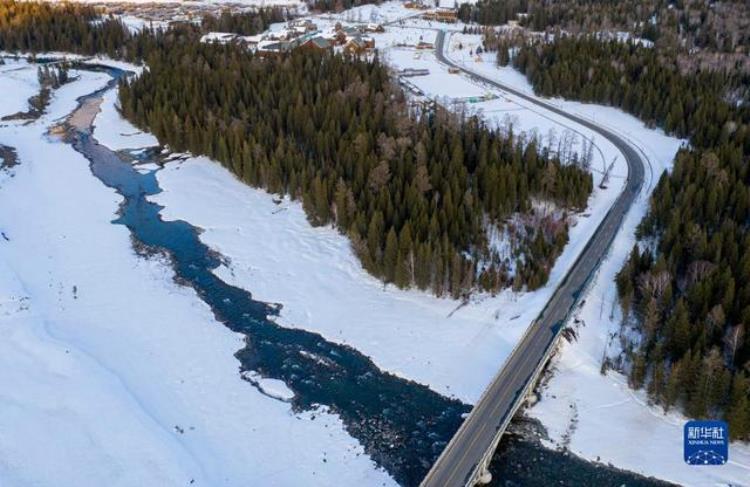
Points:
(720, 26)
(581, 16)
(686, 287)
(246, 23)
(417, 195)
(702, 36)
(337, 5)
(571, 15)
(637, 79)
(491, 12)
(32, 26)
(82, 29)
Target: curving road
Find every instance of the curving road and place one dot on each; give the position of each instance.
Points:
(463, 459)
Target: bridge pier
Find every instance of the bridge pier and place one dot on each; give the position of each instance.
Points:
(532, 397)
(485, 477)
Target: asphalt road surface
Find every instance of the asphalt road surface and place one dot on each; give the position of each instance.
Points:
(457, 464)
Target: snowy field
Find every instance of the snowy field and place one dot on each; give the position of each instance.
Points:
(381, 14)
(115, 132)
(102, 386)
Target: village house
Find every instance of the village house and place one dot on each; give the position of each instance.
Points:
(219, 37)
(447, 15)
(302, 26)
(297, 33)
(229, 37)
(359, 45)
(417, 5)
(317, 43)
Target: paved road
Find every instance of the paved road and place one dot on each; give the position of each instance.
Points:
(465, 452)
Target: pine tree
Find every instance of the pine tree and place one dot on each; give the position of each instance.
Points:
(404, 274)
(738, 413)
(390, 256)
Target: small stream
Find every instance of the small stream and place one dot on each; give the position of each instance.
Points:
(402, 425)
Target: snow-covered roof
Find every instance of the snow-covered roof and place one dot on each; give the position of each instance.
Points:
(320, 42)
(221, 37)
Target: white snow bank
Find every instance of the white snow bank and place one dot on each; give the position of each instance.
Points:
(377, 13)
(279, 257)
(114, 131)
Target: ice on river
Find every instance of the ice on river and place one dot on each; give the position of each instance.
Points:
(270, 387)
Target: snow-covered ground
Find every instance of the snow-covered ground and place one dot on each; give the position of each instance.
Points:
(111, 373)
(23, 83)
(378, 13)
(136, 24)
(117, 133)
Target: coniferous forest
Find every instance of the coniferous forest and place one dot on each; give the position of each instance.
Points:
(415, 191)
(491, 12)
(686, 286)
(243, 23)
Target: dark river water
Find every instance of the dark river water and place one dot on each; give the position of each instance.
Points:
(402, 425)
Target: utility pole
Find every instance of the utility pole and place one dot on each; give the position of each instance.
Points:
(605, 179)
